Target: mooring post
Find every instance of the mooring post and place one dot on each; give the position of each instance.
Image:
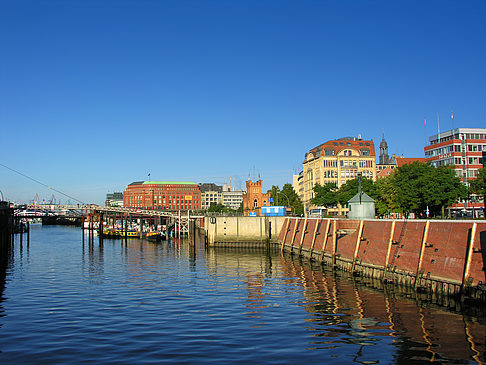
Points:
(297, 222)
(314, 236)
(421, 256)
(469, 254)
(91, 235)
(326, 239)
(127, 219)
(304, 231)
(334, 242)
(100, 228)
(285, 233)
(358, 242)
(28, 233)
(390, 243)
(141, 227)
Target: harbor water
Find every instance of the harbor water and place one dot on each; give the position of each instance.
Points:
(64, 300)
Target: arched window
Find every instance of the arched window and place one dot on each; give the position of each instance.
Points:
(255, 203)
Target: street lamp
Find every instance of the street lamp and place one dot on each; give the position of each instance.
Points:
(288, 201)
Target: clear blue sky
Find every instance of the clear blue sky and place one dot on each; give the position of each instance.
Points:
(97, 94)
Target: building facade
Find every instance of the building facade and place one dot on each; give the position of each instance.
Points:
(210, 193)
(298, 185)
(232, 198)
(337, 161)
(114, 200)
(462, 149)
(162, 195)
(254, 198)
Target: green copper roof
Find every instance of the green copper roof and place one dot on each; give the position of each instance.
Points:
(168, 182)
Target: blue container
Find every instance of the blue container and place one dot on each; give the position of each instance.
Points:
(278, 211)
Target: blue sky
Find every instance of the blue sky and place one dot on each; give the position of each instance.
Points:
(97, 94)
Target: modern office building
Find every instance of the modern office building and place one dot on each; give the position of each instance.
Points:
(114, 200)
(232, 198)
(462, 149)
(162, 195)
(337, 161)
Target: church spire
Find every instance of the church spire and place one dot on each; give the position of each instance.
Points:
(384, 159)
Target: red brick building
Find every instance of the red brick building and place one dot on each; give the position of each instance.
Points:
(162, 195)
(254, 198)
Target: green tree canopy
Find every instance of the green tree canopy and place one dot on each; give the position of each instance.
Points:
(350, 189)
(287, 197)
(478, 185)
(418, 186)
(326, 195)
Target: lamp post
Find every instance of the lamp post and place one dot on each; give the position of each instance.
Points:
(288, 200)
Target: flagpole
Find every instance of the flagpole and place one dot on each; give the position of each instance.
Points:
(438, 128)
(425, 131)
(452, 120)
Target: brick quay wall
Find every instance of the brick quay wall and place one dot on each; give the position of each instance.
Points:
(443, 257)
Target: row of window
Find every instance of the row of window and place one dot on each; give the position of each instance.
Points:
(455, 148)
(458, 161)
(460, 136)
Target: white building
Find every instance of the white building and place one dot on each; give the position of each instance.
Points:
(232, 198)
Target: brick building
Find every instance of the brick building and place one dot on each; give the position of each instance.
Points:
(254, 198)
(162, 195)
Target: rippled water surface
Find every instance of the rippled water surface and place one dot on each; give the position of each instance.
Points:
(65, 301)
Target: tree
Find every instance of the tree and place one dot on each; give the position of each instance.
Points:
(287, 197)
(442, 188)
(216, 208)
(350, 189)
(385, 192)
(478, 185)
(408, 181)
(326, 195)
(418, 186)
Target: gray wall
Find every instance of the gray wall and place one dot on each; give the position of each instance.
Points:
(242, 229)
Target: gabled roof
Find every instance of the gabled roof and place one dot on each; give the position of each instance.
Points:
(365, 198)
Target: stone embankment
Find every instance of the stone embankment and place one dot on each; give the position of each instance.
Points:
(443, 257)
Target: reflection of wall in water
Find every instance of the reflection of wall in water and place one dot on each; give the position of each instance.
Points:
(425, 334)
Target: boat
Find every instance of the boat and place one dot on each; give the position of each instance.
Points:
(119, 233)
(155, 236)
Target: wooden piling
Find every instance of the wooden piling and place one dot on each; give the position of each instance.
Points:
(326, 237)
(469, 255)
(358, 242)
(421, 255)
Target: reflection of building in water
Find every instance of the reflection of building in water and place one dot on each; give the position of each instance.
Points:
(256, 296)
(422, 334)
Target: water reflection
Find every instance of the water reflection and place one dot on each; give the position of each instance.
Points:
(420, 332)
(122, 299)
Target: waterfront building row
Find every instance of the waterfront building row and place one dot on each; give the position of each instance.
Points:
(176, 195)
(337, 161)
